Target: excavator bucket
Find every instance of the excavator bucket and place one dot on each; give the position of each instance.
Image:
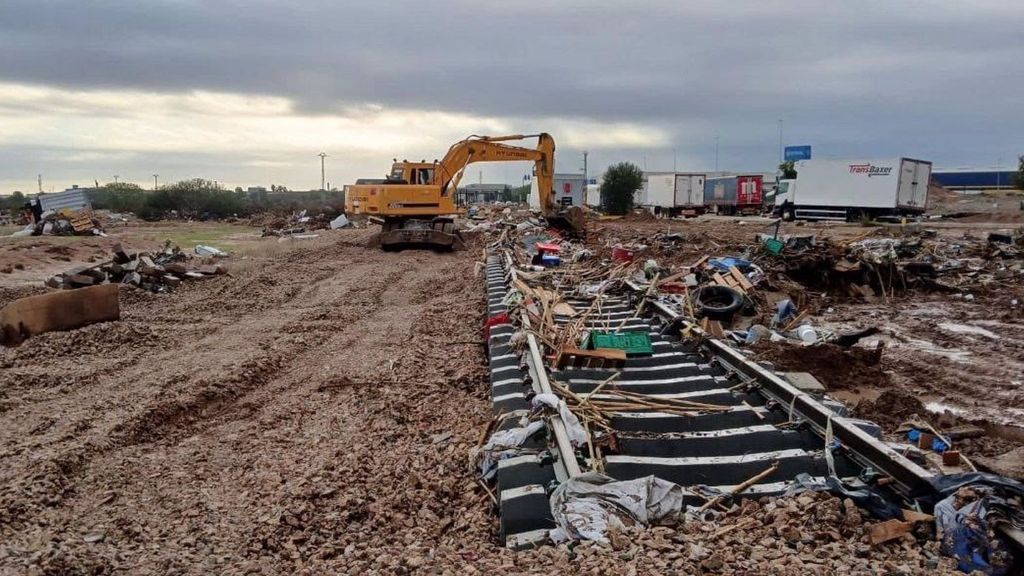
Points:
(569, 220)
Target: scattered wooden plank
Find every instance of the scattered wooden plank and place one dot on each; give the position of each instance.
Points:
(64, 310)
(603, 358)
(915, 516)
(713, 328)
(796, 321)
(888, 530)
(740, 278)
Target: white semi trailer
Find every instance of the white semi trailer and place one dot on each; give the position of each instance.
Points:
(854, 189)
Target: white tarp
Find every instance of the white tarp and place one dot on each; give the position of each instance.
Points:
(577, 435)
(209, 251)
(505, 444)
(340, 222)
(587, 506)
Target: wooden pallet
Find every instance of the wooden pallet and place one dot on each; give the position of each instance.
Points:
(733, 279)
(570, 357)
(81, 222)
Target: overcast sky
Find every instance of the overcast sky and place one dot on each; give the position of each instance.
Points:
(247, 93)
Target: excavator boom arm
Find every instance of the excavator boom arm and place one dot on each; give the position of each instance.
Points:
(492, 149)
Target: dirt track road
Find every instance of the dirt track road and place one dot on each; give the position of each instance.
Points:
(274, 421)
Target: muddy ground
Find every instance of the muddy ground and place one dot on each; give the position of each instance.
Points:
(311, 413)
(960, 359)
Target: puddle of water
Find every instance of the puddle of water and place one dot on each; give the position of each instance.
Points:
(954, 354)
(965, 329)
(926, 312)
(940, 407)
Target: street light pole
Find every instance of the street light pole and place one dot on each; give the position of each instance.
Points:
(586, 179)
(156, 185)
(782, 157)
(716, 153)
(115, 178)
(323, 177)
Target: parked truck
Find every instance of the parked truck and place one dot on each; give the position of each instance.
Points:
(854, 189)
(673, 193)
(742, 194)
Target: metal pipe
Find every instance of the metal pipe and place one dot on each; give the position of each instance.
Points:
(536, 361)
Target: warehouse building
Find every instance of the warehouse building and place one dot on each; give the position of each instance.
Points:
(974, 179)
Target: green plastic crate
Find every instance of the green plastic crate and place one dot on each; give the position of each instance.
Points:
(631, 342)
(773, 245)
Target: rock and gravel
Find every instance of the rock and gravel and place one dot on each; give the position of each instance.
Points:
(313, 413)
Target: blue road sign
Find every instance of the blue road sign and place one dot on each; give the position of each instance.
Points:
(794, 153)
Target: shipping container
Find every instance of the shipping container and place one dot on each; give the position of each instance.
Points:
(659, 190)
(852, 189)
(734, 194)
(570, 190)
(689, 191)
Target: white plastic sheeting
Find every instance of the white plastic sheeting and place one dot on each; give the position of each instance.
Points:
(577, 434)
(209, 251)
(340, 222)
(505, 444)
(587, 506)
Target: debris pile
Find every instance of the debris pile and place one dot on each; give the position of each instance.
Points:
(157, 272)
(874, 265)
(298, 224)
(79, 223)
(730, 292)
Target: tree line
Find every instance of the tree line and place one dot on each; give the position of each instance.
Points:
(198, 198)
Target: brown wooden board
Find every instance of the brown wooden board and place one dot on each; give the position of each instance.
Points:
(604, 357)
(64, 310)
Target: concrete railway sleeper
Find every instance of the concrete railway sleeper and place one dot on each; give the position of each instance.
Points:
(764, 421)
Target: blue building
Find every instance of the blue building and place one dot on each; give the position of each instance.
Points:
(974, 179)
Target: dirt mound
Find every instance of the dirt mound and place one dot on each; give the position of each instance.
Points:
(890, 409)
(836, 367)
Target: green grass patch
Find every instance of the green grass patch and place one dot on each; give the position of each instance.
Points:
(188, 235)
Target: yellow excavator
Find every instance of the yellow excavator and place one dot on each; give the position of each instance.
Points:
(415, 205)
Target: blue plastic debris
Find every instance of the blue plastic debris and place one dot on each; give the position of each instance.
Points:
(785, 311)
(724, 264)
(550, 260)
(938, 444)
(965, 533)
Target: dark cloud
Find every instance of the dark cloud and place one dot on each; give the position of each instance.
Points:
(879, 78)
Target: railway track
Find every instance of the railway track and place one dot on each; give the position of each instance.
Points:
(765, 423)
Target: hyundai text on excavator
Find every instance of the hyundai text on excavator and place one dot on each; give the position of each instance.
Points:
(415, 205)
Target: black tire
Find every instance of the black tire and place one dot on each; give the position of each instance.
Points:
(788, 214)
(717, 302)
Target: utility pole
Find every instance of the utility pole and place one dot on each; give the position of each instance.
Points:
(586, 177)
(999, 177)
(782, 157)
(323, 173)
(39, 179)
(716, 153)
(115, 178)
(155, 182)
(673, 159)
